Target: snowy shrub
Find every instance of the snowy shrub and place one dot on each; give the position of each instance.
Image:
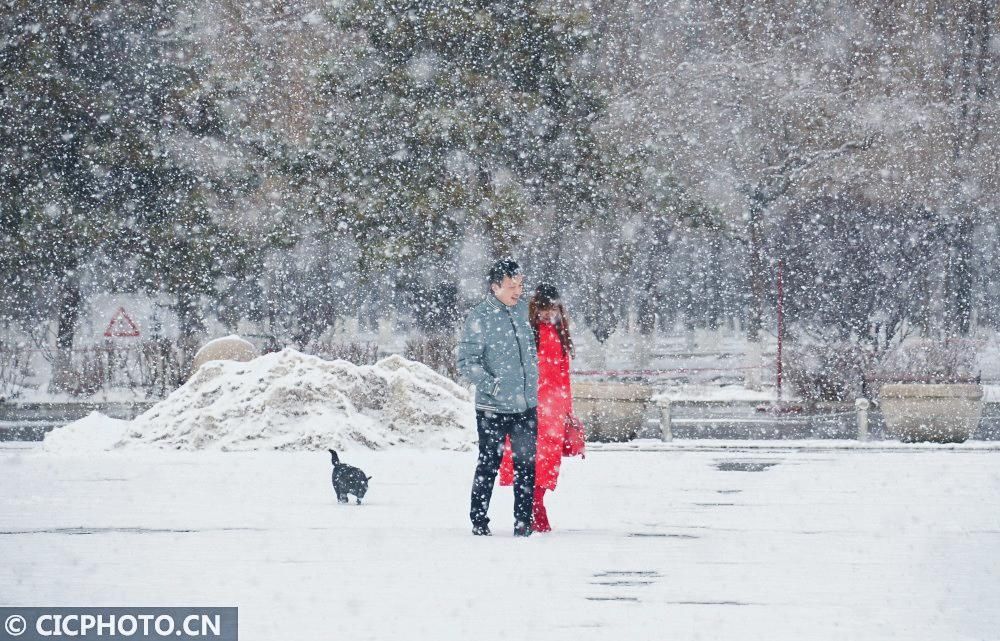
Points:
(158, 367)
(14, 369)
(840, 370)
(152, 367)
(949, 360)
(93, 368)
(827, 371)
(436, 352)
(357, 353)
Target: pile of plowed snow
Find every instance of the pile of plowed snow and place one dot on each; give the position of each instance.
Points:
(291, 401)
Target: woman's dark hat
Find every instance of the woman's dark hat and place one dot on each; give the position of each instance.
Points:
(546, 294)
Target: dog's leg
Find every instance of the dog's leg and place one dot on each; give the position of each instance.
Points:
(342, 498)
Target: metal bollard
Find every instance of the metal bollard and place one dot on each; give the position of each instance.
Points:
(861, 406)
(666, 429)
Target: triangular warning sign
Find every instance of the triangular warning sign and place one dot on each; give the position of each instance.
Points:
(122, 325)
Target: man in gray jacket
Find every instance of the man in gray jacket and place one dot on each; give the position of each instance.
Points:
(497, 354)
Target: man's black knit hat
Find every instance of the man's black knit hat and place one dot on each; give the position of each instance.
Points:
(503, 268)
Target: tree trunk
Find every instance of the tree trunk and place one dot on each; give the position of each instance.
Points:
(959, 280)
(653, 251)
(925, 296)
(755, 233)
(68, 314)
(646, 311)
(549, 266)
(715, 305)
(190, 325)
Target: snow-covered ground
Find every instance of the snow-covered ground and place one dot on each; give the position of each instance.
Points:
(718, 541)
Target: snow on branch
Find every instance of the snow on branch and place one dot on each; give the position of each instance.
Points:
(777, 179)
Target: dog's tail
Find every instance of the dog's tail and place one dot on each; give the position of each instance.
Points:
(369, 478)
(333, 457)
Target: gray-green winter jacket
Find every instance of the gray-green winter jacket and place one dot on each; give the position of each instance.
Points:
(497, 354)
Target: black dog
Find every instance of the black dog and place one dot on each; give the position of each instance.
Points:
(348, 480)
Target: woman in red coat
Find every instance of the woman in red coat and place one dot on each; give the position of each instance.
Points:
(555, 398)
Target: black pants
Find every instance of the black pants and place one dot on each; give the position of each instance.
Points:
(523, 432)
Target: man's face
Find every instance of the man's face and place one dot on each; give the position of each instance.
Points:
(509, 291)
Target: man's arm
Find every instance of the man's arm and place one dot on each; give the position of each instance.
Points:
(471, 347)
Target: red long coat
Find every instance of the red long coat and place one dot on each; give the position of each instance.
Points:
(555, 401)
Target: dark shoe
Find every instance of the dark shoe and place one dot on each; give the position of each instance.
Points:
(522, 530)
(481, 530)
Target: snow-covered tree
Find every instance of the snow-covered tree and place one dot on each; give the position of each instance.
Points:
(443, 117)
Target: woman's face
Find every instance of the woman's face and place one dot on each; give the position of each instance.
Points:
(549, 315)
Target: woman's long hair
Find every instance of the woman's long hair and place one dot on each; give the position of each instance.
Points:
(546, 297)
